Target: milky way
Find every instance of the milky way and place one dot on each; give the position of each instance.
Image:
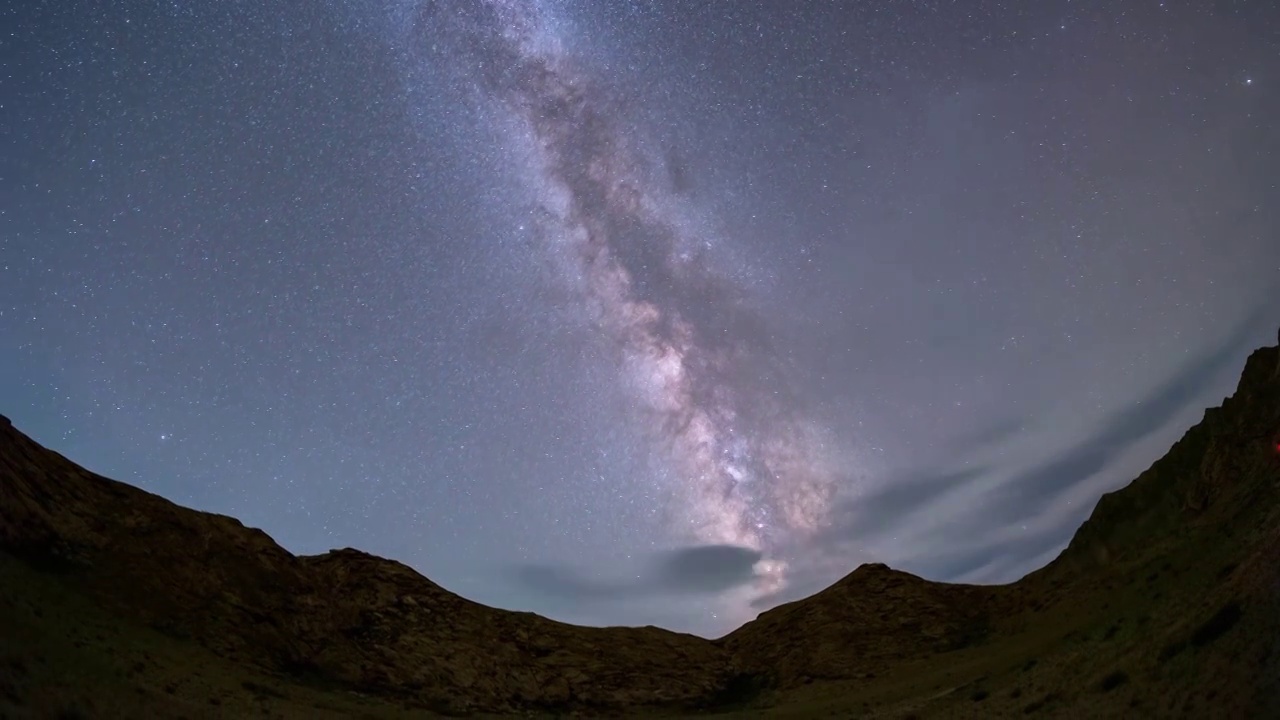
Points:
(557, 300)
(742, 466)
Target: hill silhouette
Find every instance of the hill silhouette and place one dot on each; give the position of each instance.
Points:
(115, 602)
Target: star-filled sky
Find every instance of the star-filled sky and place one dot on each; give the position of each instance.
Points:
(639, 311)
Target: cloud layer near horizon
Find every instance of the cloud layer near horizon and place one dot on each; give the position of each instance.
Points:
(976, 544)
(702, 569)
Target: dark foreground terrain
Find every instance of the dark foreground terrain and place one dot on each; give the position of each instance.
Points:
(117, 603)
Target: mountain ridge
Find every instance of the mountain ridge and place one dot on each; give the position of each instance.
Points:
(348, 621)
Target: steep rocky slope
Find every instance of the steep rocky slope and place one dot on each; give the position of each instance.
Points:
(1166, 603)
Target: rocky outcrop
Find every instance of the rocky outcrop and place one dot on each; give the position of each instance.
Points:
(1225, 464)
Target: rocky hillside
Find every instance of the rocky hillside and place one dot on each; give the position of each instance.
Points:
(874, 617)
(345, 617)
(1131, 618)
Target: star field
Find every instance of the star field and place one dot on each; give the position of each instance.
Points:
(636, 312)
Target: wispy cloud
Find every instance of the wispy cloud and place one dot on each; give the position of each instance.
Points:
(983, 522)
(1031, 493)
(700, 569)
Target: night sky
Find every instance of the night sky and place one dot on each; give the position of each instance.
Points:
(636, 312)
